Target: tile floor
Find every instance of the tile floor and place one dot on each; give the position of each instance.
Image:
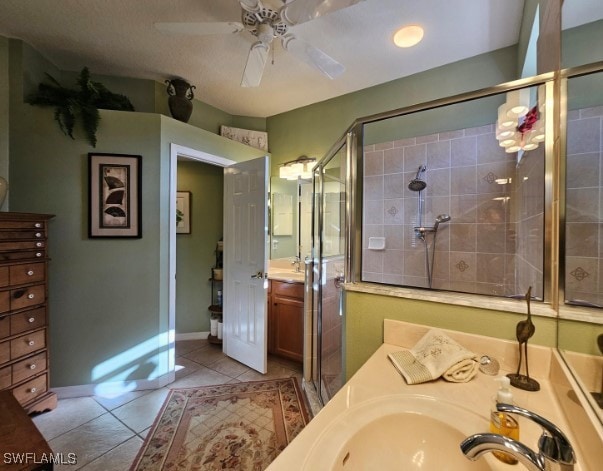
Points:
(106, 434)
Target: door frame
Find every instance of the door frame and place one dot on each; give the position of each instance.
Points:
(188, 153)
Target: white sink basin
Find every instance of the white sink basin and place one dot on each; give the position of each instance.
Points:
(398, 432)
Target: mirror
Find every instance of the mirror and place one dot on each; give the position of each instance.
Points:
(580, 318)
(290, 218)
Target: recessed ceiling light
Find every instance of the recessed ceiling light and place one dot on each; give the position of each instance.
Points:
(408, 36)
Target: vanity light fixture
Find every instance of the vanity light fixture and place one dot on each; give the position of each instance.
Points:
(408, 36)
(298, 168)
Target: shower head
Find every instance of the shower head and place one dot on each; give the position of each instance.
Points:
(441, 218)
(416, 184)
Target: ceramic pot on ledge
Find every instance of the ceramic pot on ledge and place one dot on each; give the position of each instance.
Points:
(181, 94)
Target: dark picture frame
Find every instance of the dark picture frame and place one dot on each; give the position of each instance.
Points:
(183, 212)
(114, 195)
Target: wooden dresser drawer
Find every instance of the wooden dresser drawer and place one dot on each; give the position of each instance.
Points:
(4, 279)
(4, 352)
(10, 245)
(4, 326)
(4, 301)
(26, 297)
(23, 234)
(29, 367)
(27, 344)
(22, 255)
(30, 390)
(27, 273)
(22, 225)
(5, 377)
(291, 290)
(28, 320)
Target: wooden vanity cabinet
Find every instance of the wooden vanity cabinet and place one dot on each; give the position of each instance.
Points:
(24, 366)
(286, 320)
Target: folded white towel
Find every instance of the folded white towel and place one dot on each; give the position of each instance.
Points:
(433, 356)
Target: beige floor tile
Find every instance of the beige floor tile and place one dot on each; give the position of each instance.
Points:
(91, 440)
(114, 402)
(186, 346)
(141, 412)
(229, 367)
(203, 377)
(69, 414)
(118, 459)
(185, 367)
(206, 356)
(275, 371)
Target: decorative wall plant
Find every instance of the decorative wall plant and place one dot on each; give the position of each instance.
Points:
(69, 104)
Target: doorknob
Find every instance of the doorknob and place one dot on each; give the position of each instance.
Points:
(338, 280)
(259, 275)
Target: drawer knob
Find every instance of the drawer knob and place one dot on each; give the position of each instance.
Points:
(33, 390)
(30, 273)
(38, 254)
(39, 244)
(38, 234)
(31, 296)
(32, 366)
(31, 320)
(38, 224)
(31, 343)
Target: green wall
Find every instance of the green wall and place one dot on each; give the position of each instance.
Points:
(4, 124)
(195, 252)
(313, 129)
(365, 314)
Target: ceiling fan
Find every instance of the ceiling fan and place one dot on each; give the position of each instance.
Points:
(266, 24)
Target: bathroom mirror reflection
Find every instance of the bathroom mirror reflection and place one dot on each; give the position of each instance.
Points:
(291, 218)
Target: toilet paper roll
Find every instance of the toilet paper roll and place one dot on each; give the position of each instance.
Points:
(213, 327)
(220, 330)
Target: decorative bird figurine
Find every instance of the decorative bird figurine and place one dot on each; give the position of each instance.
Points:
(524, 331)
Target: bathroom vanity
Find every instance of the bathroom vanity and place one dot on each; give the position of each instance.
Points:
(286, 319)
(376, 417)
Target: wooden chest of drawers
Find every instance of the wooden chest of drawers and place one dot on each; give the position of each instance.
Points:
(24, 366)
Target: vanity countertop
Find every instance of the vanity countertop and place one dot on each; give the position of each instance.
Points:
(377, 377)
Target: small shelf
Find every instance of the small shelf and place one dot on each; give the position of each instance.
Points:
(214, 340)
(216, 309)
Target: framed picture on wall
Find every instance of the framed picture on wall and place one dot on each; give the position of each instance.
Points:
(257, 139)
(183, 212)
(114, 194)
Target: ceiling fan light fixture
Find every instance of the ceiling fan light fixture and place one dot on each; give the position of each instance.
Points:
(408, 36)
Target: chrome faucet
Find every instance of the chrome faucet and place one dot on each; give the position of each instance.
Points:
(297, 263)
(555, 453)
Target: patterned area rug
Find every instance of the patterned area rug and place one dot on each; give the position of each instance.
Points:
(241, 426)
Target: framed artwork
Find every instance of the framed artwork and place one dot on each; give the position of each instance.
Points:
(257, 139)
(183, 212)
(115, 201)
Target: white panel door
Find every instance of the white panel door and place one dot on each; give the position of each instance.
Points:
(245, 262)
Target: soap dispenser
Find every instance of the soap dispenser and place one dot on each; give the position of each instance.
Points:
(504, 423)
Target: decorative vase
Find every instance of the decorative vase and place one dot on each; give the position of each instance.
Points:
(3, 190)
(181, 94)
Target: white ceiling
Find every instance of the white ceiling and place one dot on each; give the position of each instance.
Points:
(118, 37)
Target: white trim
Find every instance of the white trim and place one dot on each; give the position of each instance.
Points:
(124, 386)
(200, 156)
(192, 336)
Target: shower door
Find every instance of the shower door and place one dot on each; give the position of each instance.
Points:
(329, 244)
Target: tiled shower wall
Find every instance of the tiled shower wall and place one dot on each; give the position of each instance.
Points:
(471, 178)
(584, 237)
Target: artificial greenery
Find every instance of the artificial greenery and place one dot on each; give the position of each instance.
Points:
(84, 102)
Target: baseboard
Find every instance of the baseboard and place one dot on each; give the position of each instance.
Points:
(114, 388)
(192, 336)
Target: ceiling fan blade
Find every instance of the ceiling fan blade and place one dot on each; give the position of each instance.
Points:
(256, 61)
(252, 6)
(200, 29)
(295, 12)
(313, 56)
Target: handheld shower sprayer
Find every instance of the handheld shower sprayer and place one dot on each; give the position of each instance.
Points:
(441, 218)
